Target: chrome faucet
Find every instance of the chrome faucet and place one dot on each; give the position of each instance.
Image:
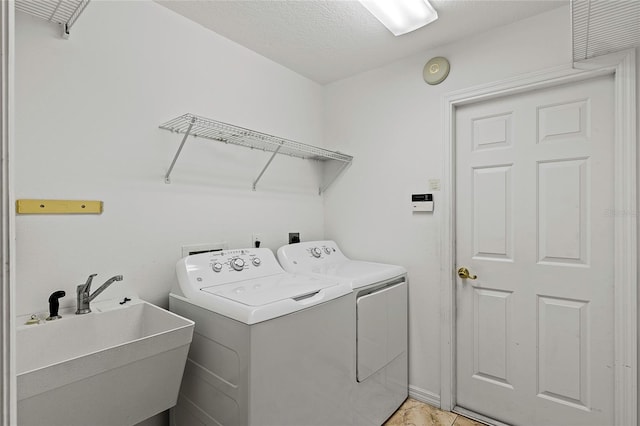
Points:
(83, 290)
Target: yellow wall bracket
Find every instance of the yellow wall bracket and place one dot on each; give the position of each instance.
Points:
(58, 207)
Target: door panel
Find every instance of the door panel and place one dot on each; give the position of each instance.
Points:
(563, 213)
(534, 180)
(492, 233)
(492, 334)
(492, 132)
(563, 352)
(562, 122)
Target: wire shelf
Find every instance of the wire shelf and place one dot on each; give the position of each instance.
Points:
(63, 12)
(228, 133)
(604, 26)
(194, 125)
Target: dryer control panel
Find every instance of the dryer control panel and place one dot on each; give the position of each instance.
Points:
(322, 250)
(302, 256)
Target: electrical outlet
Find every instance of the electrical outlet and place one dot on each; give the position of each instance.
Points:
(256, 237)
(294, 237)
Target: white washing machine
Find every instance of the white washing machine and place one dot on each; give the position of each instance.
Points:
(379, 367)
(269, 347)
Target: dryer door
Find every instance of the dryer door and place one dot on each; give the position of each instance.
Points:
(381, 329)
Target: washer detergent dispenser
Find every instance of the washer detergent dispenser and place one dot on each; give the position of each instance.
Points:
(379, 367)
(269, 347)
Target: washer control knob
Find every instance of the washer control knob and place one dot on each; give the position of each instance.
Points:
(256, 261)
(217, 267)
(326, 250)
(315, 252)
(237, 264)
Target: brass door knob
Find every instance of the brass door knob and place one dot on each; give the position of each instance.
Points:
(465, 274)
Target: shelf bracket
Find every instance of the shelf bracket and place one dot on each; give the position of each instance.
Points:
(175, 157)
(65, 31)
(63, 12)
(255, 182)
(335, 176)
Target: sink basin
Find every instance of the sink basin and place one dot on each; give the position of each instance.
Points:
(117, 365)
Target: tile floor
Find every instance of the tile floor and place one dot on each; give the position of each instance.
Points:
(416, 413)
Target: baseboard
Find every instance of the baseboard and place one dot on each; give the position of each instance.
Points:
(424, 396)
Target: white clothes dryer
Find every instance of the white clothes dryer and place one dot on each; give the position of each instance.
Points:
(379, 367)
(269, 347)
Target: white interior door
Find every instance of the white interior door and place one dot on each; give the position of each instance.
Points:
(534, 196)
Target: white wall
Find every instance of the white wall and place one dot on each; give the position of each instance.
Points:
(87, 116)
(391, 121)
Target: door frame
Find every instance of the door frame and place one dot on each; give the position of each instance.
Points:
(622, 66)
(8, 410)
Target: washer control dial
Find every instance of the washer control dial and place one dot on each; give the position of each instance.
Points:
(217, 267)
(237, 264)
(256, 261)
(326, 250)
(315, 252)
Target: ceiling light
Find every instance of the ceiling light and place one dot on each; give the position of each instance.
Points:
(401, 16)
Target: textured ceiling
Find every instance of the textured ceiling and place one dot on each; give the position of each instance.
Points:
(330, 40)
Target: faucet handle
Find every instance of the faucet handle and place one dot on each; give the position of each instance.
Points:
(87, 286)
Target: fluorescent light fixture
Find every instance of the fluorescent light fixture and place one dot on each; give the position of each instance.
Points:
(401, 16)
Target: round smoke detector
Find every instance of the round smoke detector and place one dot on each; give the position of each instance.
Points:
(436, 70)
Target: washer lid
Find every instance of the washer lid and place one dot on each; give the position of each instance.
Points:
(267, 290)
(261, 299)
(359, 273)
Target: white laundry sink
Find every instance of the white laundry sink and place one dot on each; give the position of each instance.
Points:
(117, 365)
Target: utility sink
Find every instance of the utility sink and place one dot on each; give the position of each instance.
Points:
(117, 365)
